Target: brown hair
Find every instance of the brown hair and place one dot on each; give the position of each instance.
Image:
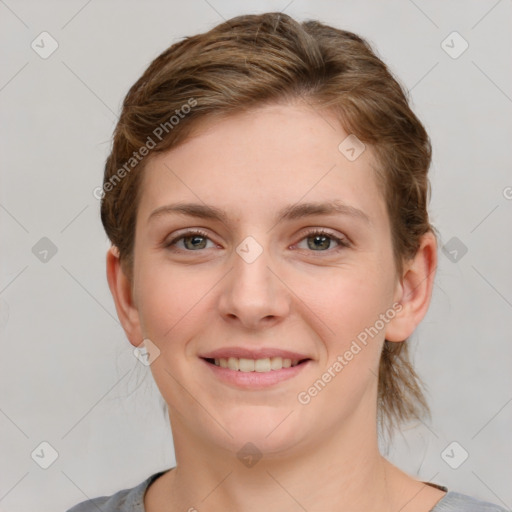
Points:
(257, 59)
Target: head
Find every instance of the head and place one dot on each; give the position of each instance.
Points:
(248, 119)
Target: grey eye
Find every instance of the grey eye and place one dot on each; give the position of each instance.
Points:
(195, 242)
(320, 242)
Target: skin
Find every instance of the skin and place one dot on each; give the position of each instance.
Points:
(319, 456)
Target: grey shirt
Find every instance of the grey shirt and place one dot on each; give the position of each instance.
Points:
(132, 500)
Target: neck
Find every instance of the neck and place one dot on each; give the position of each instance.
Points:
(342, 471)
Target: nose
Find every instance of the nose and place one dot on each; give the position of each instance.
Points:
(253, 295)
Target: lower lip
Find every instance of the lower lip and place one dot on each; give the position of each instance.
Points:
(255, 380)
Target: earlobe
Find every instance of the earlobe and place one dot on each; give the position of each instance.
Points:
(414, 290)
(121, 290)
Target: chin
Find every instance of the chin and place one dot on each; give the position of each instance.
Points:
(269, 430)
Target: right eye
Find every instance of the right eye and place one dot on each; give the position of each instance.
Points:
(191, 241)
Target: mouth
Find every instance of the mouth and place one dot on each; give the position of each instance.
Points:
(263, 365)
(261, 371)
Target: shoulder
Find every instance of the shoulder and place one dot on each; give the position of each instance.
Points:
(456, 502)
(127, 500)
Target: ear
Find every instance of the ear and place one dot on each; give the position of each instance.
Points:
(121, 289)
(414, 290)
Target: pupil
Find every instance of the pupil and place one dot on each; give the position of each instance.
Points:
(319, 242)
(195, 242)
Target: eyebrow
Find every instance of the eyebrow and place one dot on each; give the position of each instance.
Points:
(292, 212)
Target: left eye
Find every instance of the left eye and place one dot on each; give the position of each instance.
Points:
(320, 242)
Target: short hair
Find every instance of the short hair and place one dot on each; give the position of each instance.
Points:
(254, 60)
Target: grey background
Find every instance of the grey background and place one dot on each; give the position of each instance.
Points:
(67, 373)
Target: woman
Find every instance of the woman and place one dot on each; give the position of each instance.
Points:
(266, 200)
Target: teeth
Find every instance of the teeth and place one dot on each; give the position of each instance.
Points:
(255, 365)
(233, 363)
(262, 365)
(276, 363)
(246, 365)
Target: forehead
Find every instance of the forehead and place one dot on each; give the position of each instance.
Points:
(274, 155)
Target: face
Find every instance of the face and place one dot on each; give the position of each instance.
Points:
(258, 241)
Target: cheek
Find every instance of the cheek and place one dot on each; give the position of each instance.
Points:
(347, 316)
(345, 300)
(172, 301)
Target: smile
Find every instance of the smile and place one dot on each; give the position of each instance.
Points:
(255, 374)
(254, 365)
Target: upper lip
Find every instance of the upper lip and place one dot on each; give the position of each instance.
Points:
(260, 353)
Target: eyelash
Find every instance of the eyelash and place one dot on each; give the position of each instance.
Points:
(343, 243)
